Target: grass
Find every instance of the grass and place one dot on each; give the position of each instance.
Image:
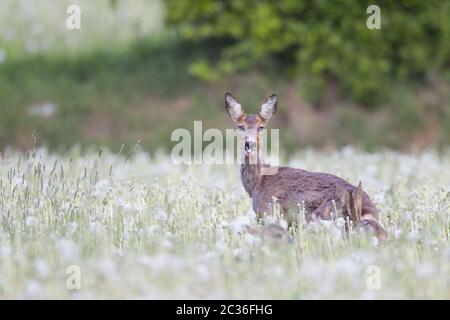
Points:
(139, 227)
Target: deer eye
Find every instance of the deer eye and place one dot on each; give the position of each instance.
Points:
(260, 129)
(241, 128)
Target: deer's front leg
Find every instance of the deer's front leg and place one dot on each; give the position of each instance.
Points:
(271, 208)
(370, 224)
(260, 216)
(322, 212)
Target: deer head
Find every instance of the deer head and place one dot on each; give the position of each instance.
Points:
(250, 127)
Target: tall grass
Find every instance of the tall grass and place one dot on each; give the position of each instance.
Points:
(139, 227)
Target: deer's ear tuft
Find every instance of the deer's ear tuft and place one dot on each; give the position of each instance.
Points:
(359, 189)
(233, 107)
(269, 107)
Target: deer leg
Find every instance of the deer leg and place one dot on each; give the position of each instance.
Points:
(260, 216)
(322, 212)
(369, 223)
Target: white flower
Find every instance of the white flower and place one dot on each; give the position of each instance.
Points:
(283, 223)
(209, 257)
(221, 247)
(152, 229)
(251, 239)
(313, 226)
(45, 110)
(66, 249)
(161, 215)
(223, 224)
(238, 225)
(340, 222)
(251, 214)
(424, 270)
(6, 250)
(31, 221)
(413, 235)
(203, 272)
(198, 220)
(33, 289)
(95, 227)
(72, 227)
(335, 232)
(407, 216)
(213, 213)
(237, 253)
(369, 295)
(346, 266)
(100, 188)
(374, 241)
(162, 262)
(269, 219)
(397, 233)
(327, 224)
(107, 268)
(166, 244)
(126, 207)
(41, 267)
(314, 270)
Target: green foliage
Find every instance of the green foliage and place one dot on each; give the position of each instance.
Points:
(320, 40)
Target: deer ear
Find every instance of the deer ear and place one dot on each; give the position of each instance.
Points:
(269, 107)
(356, 202)
(233, 107)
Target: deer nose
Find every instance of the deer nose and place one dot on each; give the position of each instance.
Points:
(249, 145)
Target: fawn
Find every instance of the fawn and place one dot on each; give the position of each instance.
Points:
(323, 195)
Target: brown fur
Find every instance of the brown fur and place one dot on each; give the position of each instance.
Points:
(320, 194)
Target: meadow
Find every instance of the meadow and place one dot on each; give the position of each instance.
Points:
(125, 222)
(137, 226)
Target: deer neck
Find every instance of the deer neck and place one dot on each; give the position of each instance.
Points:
(251, 174)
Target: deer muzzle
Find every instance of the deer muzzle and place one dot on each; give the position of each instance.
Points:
(249, 146)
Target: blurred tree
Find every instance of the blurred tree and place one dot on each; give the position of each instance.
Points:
(319, 40)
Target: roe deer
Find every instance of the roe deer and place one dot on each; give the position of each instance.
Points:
(322, 195)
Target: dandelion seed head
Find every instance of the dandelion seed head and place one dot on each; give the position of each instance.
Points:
(33, 289)
(31, 221)
(42, 268)
(239, 223)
